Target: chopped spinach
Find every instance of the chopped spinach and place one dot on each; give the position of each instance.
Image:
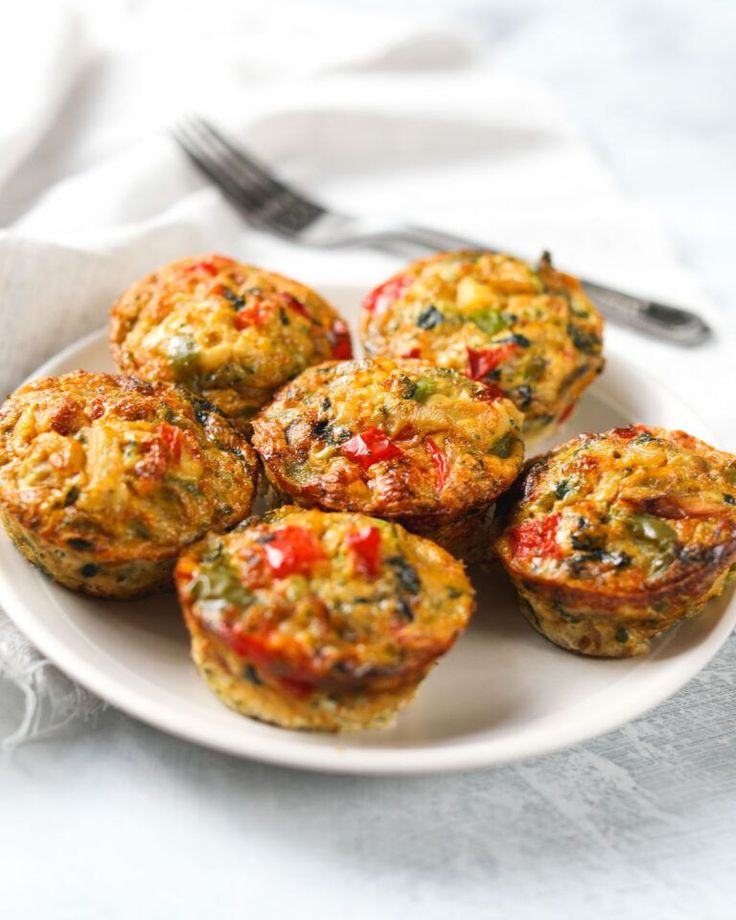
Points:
(516, 338)
(523, 396)
(250, 674)
(320, 429)
(535, 367)
(406, 574)
(405, 609)
(587, 342)
(622, 635)
(203, 409)
(429, 317)
(235, 299)
(563, 488)
(503, 447)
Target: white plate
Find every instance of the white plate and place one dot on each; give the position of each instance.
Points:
(503, 693)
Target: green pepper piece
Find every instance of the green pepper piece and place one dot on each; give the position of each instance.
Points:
(421, 389)
(656, 538)
(489, 321)
(217, 584)
(648, 527)
(183, 356)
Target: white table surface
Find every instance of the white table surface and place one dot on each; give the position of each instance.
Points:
(123, 821)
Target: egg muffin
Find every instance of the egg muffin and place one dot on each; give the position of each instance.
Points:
(230, 332)
(530, 331)
(401, 440)
(318, 620)
(104, 479)
(615, 537)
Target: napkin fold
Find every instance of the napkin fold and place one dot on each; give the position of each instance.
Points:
(373, 113)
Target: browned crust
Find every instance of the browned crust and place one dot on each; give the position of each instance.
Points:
(381, 336)
(326, 711)
(598, 612)
(126, 544)
(395, 496)
(155, 295)
(334, 648)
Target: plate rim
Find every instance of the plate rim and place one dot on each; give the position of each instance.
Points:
(438, 758)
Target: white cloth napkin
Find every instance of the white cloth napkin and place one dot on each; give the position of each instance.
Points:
(371, 113)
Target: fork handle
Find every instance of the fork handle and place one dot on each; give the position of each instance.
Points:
(663, 321)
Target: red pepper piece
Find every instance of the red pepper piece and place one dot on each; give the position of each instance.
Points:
(248, 316)
(253, 313)
(380, 299)
(484, 360)
(631, 431)
(369, 447)
(494, 392)
(211, 265)
(301, 689)
(365, 545)
(537, 538)
(155, 460)
(173, 439)
(441, 463)
(567, 413)
(412, 353)
(296, 305)
(256, 648)
(339, 337)
(292, 550)
(247, 645)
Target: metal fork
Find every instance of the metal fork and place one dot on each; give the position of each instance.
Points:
(271, 205)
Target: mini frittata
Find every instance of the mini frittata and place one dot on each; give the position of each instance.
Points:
(615, 537)
(318, 620)
(401, 440)
(531, 331)
(104, 479)
(229, 332)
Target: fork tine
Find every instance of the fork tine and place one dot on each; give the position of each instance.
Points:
(242, 161)
(265, 200)
(211, 166)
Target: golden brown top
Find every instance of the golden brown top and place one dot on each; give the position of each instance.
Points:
(121, 467)
(390, 438)
(229, 331)
(530, 331)
(326, 600)
(631, 510)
